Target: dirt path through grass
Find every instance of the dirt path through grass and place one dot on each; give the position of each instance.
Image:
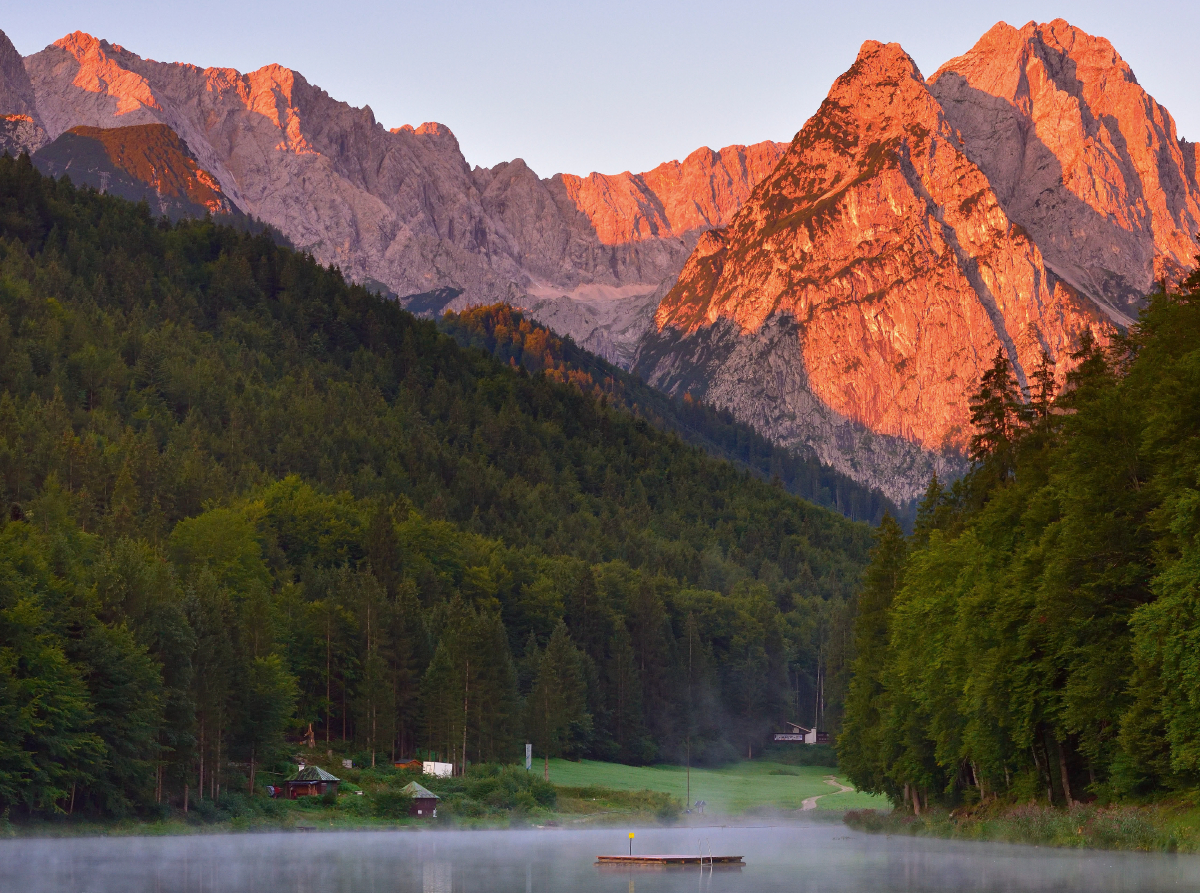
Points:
(811, 802)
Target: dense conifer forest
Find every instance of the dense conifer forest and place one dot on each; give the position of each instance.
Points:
(514, 339)
(1038, 636)
(243, 499)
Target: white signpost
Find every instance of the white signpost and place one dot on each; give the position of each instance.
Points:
(528, 757)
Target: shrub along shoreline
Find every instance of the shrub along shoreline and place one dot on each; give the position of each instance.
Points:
(1168, 827)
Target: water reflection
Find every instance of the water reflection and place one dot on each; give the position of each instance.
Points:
(438, 877)
(798, 859)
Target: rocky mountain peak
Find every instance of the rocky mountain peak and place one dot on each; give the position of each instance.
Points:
(89, 67)
(884, 91)
(432, 128)
(854, 300)
(675, 199)
(94, 53)
(1069, 42)
(877, 63)
(80, 44)
(1079, 155)
(432, 133)
(1029, 191)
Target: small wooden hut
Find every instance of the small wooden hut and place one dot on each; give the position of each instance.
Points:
(424, 801)
(309, 782)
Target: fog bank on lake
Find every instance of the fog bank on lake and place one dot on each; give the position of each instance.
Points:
(822, 856)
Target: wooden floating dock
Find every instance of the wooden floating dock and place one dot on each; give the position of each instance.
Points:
(667, 861)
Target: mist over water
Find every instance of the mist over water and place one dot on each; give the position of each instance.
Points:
(802, 857)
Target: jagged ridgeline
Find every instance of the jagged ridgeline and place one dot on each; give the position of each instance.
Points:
(241, 496)
(506, 333)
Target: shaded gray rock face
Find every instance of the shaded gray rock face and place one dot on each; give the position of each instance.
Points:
(401, 208)
(20, 129)
(611, 329)
(19, 134)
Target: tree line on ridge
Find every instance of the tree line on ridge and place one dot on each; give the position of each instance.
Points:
(512, 338)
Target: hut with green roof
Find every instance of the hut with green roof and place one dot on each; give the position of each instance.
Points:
(424, 801)
(310, 781)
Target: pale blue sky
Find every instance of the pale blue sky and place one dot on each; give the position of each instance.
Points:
(611, 86)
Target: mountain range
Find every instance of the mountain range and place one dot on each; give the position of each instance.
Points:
(400, 207)
(841, 293)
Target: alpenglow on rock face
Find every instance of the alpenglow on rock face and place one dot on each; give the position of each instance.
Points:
(402, 208)
(1079, 155)
(139, 162)
(913, 229)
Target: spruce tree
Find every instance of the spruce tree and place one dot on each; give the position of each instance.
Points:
(861, 750)
(997, 415)
(556, 709)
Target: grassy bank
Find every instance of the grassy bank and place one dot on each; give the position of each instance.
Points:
(1164, 827)
(745, 787)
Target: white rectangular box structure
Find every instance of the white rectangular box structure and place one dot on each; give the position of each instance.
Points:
(441, 770)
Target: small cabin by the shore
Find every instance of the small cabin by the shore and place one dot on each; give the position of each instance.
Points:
(310, 781)
(424, 801)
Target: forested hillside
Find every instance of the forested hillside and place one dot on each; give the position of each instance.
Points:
(1038, 637)
(506, 333)
(242, 497)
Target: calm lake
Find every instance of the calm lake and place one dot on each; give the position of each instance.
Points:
(803, 857)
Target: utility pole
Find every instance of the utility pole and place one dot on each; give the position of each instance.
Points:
(328, 647)
(466, 691)
(817, 696)
(691, 631)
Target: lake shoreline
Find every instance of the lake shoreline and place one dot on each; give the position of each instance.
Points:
(179, 825)
(330, 820)
(183, 826)
(581, 795)
(1162, 828)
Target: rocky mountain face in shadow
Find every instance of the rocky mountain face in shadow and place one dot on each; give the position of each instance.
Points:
(1030, 191)
(20, 129)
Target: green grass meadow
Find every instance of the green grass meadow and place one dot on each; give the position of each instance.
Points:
(748, 786)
